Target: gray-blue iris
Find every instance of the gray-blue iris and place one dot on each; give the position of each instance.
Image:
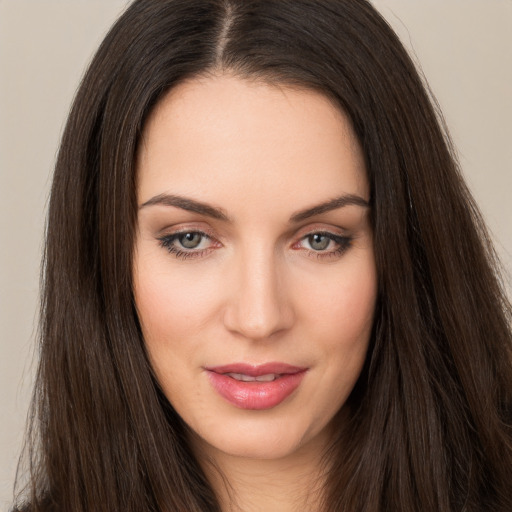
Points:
(190, 240)
(319, 242)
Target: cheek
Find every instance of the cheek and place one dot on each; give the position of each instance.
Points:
(171, 304)
(340, 319)
(173, 311)
(168, 315)
(341, 308)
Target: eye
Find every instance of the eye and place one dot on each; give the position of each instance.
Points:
(186, 244)
(190, 240)
(319, 242)
(324, 244)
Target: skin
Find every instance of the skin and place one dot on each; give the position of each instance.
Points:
(257, 289)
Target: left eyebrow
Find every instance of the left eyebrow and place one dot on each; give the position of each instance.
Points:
(333, 204)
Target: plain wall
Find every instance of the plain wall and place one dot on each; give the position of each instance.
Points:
(465, 51)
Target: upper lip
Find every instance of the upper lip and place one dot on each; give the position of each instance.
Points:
(256, 370)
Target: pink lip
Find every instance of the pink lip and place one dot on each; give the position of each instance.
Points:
(256, 395)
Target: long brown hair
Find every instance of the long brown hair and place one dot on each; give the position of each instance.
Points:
(430, 423)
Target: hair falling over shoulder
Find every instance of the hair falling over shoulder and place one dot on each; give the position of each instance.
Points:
(430, 423)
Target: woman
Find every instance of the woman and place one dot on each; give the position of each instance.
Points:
(266, 285)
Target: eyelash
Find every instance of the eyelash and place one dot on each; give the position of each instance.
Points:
(167, 242)
(343, 242)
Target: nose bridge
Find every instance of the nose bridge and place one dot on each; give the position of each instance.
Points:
(258, 305)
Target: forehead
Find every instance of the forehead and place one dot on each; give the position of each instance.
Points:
(224, 136)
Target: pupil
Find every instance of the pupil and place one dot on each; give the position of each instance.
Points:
(319, 242)
(190, 240)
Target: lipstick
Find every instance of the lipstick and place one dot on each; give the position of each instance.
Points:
(255, 387)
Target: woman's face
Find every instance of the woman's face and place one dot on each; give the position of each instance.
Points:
(254, 270)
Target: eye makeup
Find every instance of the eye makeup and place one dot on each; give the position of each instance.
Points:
(323, 244)
(188, 244)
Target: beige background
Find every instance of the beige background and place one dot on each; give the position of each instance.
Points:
(465, 50)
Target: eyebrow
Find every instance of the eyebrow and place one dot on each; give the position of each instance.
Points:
(192, 205)
(185, 203)
(333, 204)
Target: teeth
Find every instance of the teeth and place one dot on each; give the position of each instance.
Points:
(267, 378)
(247, 378)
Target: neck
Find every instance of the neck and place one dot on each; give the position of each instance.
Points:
(289, 484)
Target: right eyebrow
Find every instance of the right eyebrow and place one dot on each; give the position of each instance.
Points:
(188, 204)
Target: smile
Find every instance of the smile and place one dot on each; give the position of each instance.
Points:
(255, 387)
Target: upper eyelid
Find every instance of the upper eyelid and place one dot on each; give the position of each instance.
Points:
(295, 235)
(335, 232)
(175, 234)
(321, 232)
(184, 231)
(328, 227)
(167, 232)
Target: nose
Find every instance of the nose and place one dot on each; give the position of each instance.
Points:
(258, 306)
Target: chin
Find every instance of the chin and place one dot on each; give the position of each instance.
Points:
(261, 438)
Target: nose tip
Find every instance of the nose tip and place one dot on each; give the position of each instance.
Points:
(258, 307)
(256, 322)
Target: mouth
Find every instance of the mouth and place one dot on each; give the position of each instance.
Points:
(255, 387)
(247, 378)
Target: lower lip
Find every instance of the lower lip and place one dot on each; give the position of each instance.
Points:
(256, 395)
